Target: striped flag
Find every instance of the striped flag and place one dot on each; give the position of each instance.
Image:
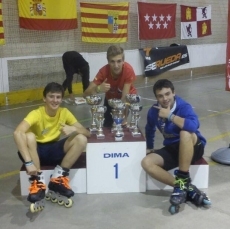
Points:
(47, 14)
(2, 39)
(104, 23)
(195, 22)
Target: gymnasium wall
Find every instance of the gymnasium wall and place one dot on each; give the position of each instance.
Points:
(30, 59)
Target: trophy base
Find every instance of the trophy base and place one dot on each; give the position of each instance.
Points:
(113, 130)
(100, 136)
(136, 134)
(93, 130)
(118, 138)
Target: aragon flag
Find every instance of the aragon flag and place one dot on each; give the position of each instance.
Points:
(47, 14)
(2, 39)
(104, 22)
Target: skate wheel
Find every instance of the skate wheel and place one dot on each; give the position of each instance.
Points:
(206, 202)
(53, 200)
(33, 209)
(47, 197)
(173, 209)
(60, 202)
(69, 204)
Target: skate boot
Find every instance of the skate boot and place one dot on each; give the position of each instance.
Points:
(179, 195)
(37, 192)
(197, 197)
(59, 189)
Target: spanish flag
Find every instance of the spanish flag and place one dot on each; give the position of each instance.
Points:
(47, 14)
(2, 39)
(104, 23)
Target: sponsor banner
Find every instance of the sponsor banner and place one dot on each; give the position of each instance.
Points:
(161, 59)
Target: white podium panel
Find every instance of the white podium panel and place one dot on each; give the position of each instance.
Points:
(115, 167)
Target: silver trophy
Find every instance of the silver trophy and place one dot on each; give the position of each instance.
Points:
(100, 110)
(118, 116)
(136, 108)
(94, 101)
(132, 99)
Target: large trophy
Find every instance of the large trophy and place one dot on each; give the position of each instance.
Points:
(94, 101)
(136, 108)
(118, 116)
(100, 110)
(132, 99)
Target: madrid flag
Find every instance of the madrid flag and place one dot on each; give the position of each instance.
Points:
(195, 22)
(156, 21)
(47, 14)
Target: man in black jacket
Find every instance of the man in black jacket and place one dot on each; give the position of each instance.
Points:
(73, 62)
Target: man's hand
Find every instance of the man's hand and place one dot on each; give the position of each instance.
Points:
(163, 112)
(31, 170)
(67, 130)
(104, 87)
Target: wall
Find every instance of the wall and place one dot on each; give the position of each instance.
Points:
(30, 72)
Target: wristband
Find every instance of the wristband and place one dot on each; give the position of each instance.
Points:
(28, 163)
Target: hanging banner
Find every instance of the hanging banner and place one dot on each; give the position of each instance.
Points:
(161, 59)
(227, 87)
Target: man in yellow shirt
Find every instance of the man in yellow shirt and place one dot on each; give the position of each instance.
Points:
(37, 139)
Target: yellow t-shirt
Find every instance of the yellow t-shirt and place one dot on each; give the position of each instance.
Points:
(46, 128)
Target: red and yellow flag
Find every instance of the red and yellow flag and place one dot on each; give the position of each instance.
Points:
(2, 39)
(104, 22)
(47, 14)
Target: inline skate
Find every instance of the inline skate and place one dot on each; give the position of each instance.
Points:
(179, 195)
(59, 189)
(197, 197)
(37, 191)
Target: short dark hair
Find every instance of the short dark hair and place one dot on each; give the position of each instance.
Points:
(115, 50)
(162, 83)
(53, 87)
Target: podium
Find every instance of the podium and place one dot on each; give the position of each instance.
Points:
(115, 166)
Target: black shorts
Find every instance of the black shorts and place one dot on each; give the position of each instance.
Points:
(170, 154)
(51, 153)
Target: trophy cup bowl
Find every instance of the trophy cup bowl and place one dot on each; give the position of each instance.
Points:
(118, 116)
(93, 101)
(100, 110)
(136, 108)
(132, 99)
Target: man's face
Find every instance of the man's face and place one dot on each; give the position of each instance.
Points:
(165, 97)
(53, 100)
(116, 64)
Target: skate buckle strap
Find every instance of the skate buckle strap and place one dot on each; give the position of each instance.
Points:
(64, 180)
(36, 186)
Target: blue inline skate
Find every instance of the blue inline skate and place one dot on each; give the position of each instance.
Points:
(184, 191)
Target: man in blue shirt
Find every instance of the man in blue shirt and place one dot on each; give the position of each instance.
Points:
(183, 144)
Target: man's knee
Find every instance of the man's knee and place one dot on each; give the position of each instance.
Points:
(30, 137)
(187, 136)
(80, 139)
